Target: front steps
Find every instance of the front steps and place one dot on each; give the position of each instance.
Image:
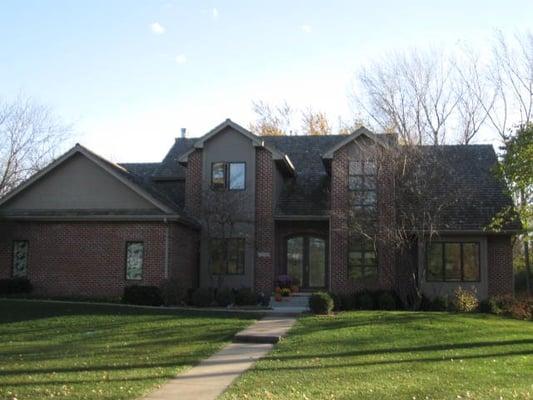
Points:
(296, 304)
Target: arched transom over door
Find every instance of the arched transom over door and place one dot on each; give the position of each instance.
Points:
(306, 260)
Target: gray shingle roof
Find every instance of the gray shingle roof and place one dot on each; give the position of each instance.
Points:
(306, 193)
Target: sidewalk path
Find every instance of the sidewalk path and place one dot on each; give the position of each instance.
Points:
(212, 376)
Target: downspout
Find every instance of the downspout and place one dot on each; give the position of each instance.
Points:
(166, 246)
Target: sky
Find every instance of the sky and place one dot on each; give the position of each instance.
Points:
(128, 74)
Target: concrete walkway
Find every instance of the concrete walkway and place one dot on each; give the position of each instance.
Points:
(212, 376)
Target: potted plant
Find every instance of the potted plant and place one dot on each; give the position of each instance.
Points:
(277, 296)
(295, 286)
(285, 292)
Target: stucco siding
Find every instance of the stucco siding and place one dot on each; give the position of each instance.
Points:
(79, 184)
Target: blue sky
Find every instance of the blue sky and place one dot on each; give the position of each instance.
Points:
(129, 74)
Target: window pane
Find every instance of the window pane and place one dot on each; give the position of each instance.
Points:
(356, 168)
(355, 272)
(236, 176)
(434, 267)
(370, 182)
(355, 182)
(355, 258)
(218, 179)
(134, 260)
(216, 256)
(471, 261)
(370, 258)
(20, 258)
(317, 262)
(370, 168)
(370, 272)
(295, 258)
(452, 261)
(235, 256)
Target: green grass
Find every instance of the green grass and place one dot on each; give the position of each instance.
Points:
(81, 351)
(396, 355)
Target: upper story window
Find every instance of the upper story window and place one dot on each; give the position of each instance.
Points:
(453, 262)
(362, 182)
(228, 175)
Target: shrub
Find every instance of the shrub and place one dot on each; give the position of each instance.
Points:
(245, 297)
(386, 301)
(321, 303)
(519, 308)
(285, 292)
(202, 297)
(364, 301)
(142, 295)
(464, 300)
(337, 303)
(349, 302)
(15, 286)
(172, 293)
(225, 297)
(439, 303)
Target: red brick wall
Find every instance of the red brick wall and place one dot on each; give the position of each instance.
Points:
(340, 282)
(193, 183)
(183, 256)
(500, 265)
(88, 258)
(264, 221)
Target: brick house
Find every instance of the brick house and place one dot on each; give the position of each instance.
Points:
(84, 226)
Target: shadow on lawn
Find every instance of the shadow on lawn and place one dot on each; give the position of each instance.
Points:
(19, 310)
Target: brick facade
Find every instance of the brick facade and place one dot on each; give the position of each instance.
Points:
(340, 282)
(193, 183)
(264, 222)
(500, 265)
(88, 259)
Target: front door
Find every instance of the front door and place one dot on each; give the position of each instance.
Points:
(306, 260)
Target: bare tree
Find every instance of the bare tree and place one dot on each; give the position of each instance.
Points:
(271, 120)
(315, 123)
(30, 136)
(225, 215)
(411, 177)
(413, 94)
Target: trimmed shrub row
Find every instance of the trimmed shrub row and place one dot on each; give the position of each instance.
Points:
(366, 300)
(15, 286)
(170, 294)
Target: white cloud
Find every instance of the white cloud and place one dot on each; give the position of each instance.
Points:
(181, 59)
(214, 13)
(306, 28)
(157, 28)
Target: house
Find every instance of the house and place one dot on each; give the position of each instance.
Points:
(84, 226)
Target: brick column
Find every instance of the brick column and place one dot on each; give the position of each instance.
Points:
(500, 265)
(338, 223)
(193, 183)
(264, 221)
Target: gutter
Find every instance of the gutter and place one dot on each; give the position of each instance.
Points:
(112, 217)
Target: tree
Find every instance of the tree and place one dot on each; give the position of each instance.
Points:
(225, 215)
(413, 94)
(280, 120)
(315, 123)
(516, 169)
(271, 120)
(30, 137)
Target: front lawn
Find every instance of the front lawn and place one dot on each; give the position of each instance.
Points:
(396, 355)
(80, 351)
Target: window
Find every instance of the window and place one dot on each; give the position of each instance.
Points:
(362, 259)
(20, 258)
(226, 256)
(230, 176)
(453, 262)
(134, 260)
(362, 182)
(218, 175)
(237, 176)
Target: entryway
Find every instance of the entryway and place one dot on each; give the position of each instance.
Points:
(306, 260)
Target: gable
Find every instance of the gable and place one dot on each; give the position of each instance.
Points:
(77, 183)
